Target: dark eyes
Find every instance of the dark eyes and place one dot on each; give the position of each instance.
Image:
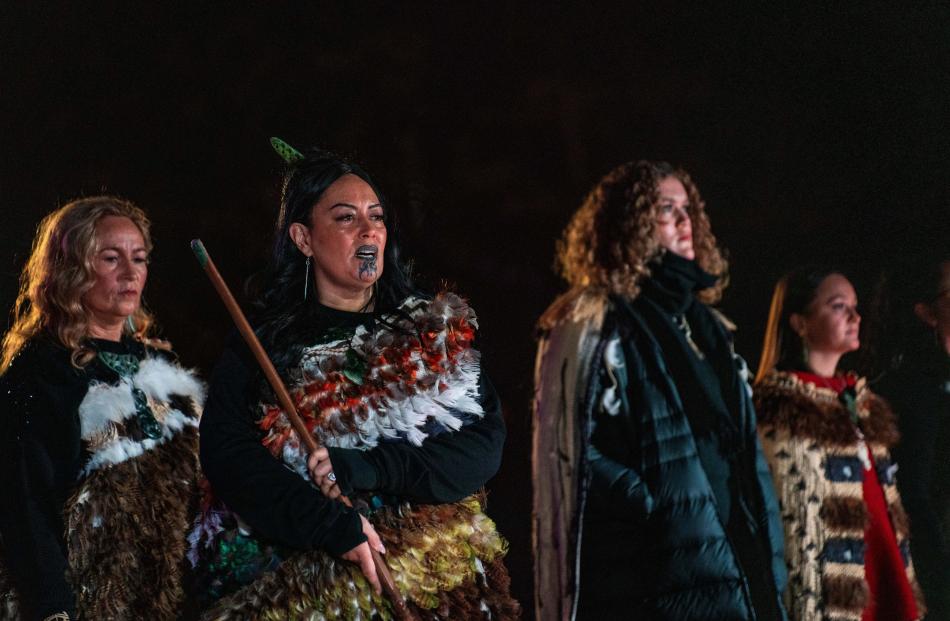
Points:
(668, 208)
(347, 218)
(840, 307)
(114, 258)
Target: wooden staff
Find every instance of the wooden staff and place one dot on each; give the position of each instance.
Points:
(385, 578)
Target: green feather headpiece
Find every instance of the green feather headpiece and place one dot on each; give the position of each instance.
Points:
(286, 151)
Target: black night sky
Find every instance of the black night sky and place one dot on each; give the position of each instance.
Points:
(815, 135)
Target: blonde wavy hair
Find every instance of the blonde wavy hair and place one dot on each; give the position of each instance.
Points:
(60, 271)
(611, 239)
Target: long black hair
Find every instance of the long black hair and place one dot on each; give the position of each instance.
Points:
(794, 292)
(283, 314)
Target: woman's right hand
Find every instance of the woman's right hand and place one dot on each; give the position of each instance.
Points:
(362, 556)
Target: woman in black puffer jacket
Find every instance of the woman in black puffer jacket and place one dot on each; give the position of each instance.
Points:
(652, 498)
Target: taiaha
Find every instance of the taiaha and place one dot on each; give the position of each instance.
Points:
(283, 396)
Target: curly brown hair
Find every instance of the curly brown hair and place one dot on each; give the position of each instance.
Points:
(611, 239)
(60, 271)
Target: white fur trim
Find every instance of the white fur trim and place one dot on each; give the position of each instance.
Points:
(107, 404)
(103, 405)
(122, 448)
(161, 380)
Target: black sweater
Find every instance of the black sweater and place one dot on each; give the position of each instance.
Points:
(284, 507)
(41, 456)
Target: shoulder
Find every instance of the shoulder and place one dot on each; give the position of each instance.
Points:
(444, 308)
(877, 418)
(783, 401)
(579, 306)
(41, 360)
(40, 385)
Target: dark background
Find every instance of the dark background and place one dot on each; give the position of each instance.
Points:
(815, 134)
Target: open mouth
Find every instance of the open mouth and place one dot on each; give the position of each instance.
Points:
(367, 253)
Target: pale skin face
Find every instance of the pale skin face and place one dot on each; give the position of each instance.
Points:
(346, 240)
(830, 325)
(120, 263)
(936, 314)
(674, 231)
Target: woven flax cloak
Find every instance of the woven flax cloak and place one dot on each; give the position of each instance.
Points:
(816, 457)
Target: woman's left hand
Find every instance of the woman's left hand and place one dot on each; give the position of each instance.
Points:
(321, 471)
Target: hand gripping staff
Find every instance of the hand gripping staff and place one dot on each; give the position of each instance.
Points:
(385, 578)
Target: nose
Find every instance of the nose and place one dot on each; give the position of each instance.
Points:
(128, 271)
(682, 216)
(367, 231)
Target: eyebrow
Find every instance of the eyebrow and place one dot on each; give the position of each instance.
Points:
(117, 249)
(332, 207)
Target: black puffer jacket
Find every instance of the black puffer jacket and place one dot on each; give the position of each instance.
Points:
(654, 545)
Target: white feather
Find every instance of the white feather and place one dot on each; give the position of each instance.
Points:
(451, 396)
(105, 405)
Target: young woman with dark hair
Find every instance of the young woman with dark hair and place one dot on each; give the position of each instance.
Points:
(390, 384)
(827, 439)
(910, 357)
(651, 496)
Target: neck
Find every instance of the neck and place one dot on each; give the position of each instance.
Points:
(108, 332)
(350, 301)
(823, 363)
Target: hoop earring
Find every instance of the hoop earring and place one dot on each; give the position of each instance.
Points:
(306, 279)
(130, 323)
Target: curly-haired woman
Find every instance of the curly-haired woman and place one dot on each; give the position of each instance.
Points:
(98, 429)
(827, 438)
(652, 498)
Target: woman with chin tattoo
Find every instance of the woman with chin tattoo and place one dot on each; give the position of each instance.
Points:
(652, 499)
(389, 382)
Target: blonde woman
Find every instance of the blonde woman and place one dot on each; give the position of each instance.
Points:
(98, 429)
(827, 439)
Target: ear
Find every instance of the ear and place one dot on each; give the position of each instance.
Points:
(797, 322)
(300, 235)
(925, 314)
